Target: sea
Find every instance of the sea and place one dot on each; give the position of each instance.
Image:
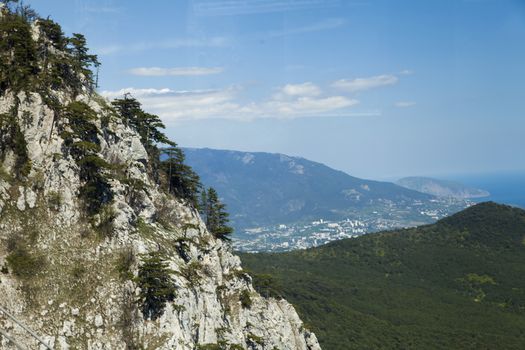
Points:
(505, 188)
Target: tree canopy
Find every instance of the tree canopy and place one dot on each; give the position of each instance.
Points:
(182, 180)
(51, 62)
(215, 215)
(156, 285)
(147, 125)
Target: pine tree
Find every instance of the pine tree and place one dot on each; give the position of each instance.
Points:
(127, 108)
(156, 285)
(147, 125)
(203, 202)
(26, 12)
(183, 182)
(18, 53)
(217, 216)
(8, 3)
(28, 64)
(83, 60)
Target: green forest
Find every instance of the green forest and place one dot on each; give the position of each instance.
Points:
(456, 284)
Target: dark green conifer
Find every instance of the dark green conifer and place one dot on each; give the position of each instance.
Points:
(183, 182)
(156, 285)
(217, 217)
(147, 125)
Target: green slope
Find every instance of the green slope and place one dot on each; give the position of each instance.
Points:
(456, 284)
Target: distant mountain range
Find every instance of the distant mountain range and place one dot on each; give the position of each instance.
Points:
(264, 190)
(441, 188)
(455, 284)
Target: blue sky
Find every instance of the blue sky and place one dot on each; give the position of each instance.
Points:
(378, 89)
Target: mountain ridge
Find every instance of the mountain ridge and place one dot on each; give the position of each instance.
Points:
(207, 167)
(265, 191)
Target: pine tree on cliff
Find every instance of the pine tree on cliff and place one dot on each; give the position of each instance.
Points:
(183, 182)
(156, 285)
(148, 125)
(217, 216)
(84, 61)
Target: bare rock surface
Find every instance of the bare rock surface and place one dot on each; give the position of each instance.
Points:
(73, 295)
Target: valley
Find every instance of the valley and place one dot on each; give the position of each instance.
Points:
(291, 236)
(280, 203)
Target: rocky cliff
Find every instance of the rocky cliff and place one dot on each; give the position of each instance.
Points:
(81, 210)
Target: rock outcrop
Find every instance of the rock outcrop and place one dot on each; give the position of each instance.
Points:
(71, 277)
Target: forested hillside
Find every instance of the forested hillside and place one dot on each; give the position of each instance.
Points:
(456, 284)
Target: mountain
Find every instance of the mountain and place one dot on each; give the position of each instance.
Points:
(264, 191)
(441, 188)
(262, 187)
(100, 246)
(455, 284)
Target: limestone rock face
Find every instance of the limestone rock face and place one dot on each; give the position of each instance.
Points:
(62, 271)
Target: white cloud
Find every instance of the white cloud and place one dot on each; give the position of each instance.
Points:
(305, 106)
(303, 99)
(361, 84)
(177, 71)
(305, 89)
(173, 105)
(135, 92)
(405, 104)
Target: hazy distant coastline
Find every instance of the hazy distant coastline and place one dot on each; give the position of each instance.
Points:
(442, 188)
(504, 187)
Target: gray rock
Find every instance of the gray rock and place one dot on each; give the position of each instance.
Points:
(81, 265)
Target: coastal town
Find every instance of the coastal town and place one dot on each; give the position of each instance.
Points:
(286, 237)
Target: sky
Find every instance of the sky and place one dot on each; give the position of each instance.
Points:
(378, 89)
